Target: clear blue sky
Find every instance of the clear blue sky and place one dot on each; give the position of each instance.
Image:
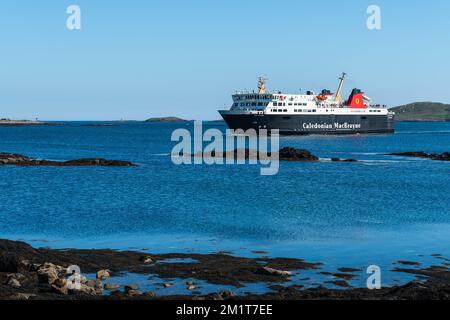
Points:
(139, 59)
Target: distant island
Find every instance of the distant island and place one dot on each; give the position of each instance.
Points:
(9, 122)
(166, 119)
(422, 111)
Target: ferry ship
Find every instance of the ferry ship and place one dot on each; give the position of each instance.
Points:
(310, 113)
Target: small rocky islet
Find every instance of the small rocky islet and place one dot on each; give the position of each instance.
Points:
(445, 156)
(301, 155)
(284, 154)
(24, 161)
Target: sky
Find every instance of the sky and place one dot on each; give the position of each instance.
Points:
(134, 60)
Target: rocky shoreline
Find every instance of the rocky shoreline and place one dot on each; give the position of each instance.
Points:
(24, 161)
(27, 273)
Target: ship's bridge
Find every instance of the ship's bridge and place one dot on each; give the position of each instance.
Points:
(254, 101)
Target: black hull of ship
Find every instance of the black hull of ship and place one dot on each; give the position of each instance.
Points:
(312, 124)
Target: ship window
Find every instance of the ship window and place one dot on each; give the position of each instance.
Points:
(285, 110)
(235, 104)
(290, 104)
(280, 110)
(275, 104)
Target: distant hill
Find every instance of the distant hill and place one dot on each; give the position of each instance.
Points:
(9, 122)
(423, 111)
(166, 119)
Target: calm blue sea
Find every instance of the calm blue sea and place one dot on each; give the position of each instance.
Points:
(343, 214)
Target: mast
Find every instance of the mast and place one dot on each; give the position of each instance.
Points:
(339, 90)
(262, 85)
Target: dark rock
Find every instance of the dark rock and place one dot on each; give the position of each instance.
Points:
(292, 154)
(95, 286)
(339, 283)
(345, 276)
(420, 154)
(227, 294)
(285, 154)
(343, 160)
(98, 162)
(441, 157)
(349, 270)
(23, 296)
(20, 160)
(131, 287)
(8, 262)
(408, 263)
(111, 286)
(132, 290)
(149, 294)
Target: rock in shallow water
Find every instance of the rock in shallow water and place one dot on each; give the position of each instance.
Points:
(274, 272)
(111, 286)
(103, 274)
(131, 287)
